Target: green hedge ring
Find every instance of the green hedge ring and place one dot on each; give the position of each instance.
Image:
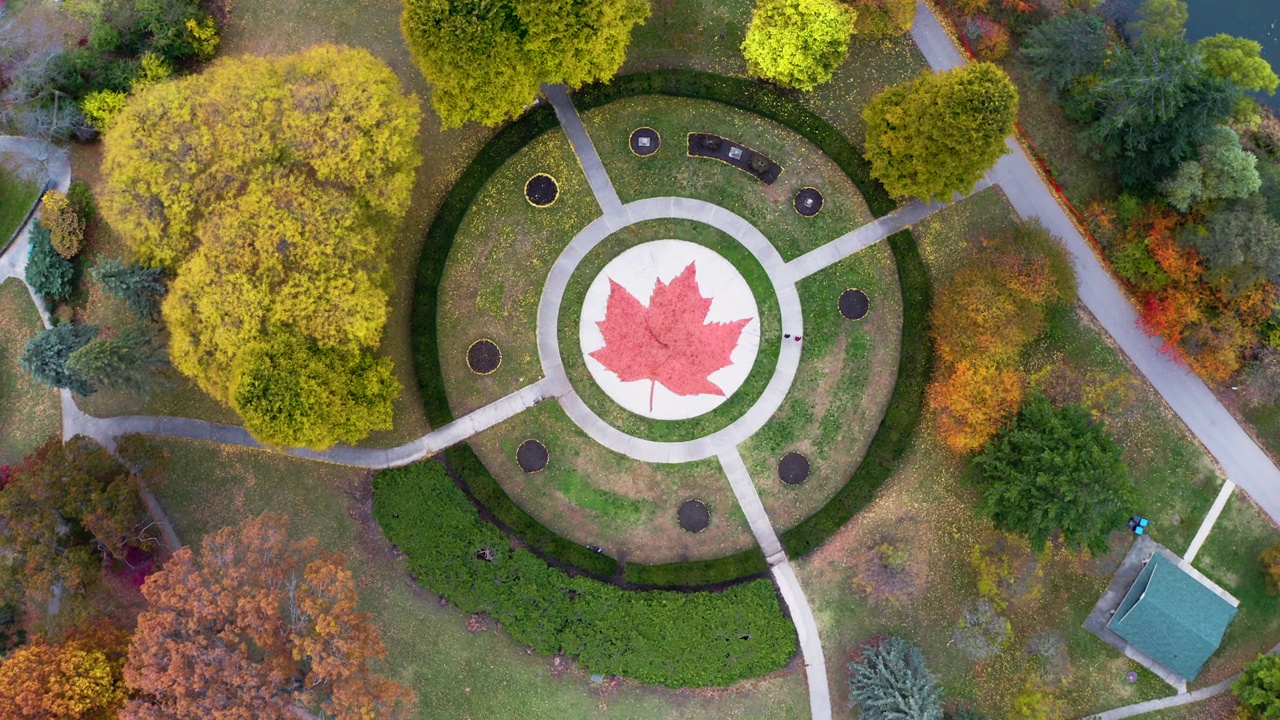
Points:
(887, 445)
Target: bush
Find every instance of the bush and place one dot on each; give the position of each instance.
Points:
(660, 637)
(883, 19)
(1270, 559)
(82, 203)
(66, 229)
(1258, 687)
(48, 273)
(101, 106)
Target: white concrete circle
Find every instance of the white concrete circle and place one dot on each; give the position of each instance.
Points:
(684, 325)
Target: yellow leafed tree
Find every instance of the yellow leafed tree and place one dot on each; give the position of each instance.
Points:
(272, 188)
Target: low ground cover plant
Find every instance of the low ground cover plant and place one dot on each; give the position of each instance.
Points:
(660, 637)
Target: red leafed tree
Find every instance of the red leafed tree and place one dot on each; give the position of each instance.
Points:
(668, 343)
(257, 626)
(79, 678)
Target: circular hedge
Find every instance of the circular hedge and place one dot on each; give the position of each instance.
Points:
(887, 446)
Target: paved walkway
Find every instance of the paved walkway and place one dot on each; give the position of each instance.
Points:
(867, 235)
(1209, 521)
(597, 177)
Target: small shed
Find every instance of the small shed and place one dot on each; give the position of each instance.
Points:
(1172, 616)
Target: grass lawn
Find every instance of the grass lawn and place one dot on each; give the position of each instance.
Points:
(29, 412)
(457, 675)
(1230, 558)
(911, 563)
(592, 495)
(17, 195)
(671, 172)
(740, 401)
(500, 258)
(846, 376)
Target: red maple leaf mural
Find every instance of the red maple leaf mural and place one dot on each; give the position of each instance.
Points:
(668, 342)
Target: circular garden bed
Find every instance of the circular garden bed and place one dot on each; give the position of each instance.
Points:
(793, 469)
(693, 516)
(484, 357)
(532, 456)
(808, 202)
(541, 190)
(885, 448)
(645, 141)
(854, 304)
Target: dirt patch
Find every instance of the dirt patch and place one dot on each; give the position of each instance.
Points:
(484, 357)
(854, 304)
(532, 456)
(693, 516)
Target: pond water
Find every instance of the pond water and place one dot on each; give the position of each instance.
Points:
(1254, 19)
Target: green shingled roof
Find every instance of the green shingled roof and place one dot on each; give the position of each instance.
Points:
(1172, 617)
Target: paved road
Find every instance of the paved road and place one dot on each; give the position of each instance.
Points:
(1240, 457)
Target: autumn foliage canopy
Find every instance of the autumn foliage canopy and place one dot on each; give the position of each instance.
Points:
(256, 626)
(273, 188)
(79, 678)
(982, 320)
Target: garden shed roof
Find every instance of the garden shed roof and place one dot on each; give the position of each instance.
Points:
(1173, 617)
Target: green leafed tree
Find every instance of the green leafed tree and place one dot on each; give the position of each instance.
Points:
(1240, 61)
(292, 392)
(798, 43)
(1055, 470)
(1240, 243)
(128, 361)
(48, 273)
(1154, 106)
(1225, 170)
(1065, 48)
(1160, 19)
(141, 288)
(940, 133)
(1258, 687)
(892, 683)
(46, 357)
(485, 59)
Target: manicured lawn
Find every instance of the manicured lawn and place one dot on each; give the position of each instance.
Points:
(456, 674)
(847, 373)
(29, 411)
(671, 172)
(500, 258)
(592, 495)
(17, 195)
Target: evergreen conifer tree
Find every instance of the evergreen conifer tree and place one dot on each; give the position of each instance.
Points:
(48, 273)
(46, 355)
(127, 361)
(892, 683)
(140, 287)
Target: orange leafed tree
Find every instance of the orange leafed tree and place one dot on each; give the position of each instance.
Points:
(982, 320)
(257, 626)
(80, 678)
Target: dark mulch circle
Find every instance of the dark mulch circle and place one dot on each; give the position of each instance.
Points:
(541, 190)
(808, 202)
(854, 304)
(483, 357)
(532, 456)
(793, 468)
(693, 516)
(645, 141)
